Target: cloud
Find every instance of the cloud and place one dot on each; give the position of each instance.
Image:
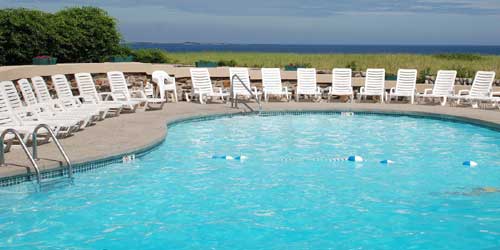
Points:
(290, 7)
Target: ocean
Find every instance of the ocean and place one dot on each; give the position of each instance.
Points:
(335, 49)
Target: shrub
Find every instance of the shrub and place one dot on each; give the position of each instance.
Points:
(81, 34)
(150, 56)
(352, 65)
(422, 74)
(24, 34)
(461, 57)
(464, 72)
(229, 63)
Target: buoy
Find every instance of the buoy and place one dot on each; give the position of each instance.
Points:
(470, 164)
(387, 162)
(355, 158)
(224, 157)
(240, 158)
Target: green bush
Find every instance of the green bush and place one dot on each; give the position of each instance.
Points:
(229, 63)
(464, 72)
(352, 65)
(81, 34)
(460, 57)
(24, 34)
(150, 56)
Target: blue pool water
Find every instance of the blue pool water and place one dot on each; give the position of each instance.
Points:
(288, 194)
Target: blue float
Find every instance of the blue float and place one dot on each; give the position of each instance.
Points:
(471, 164)
(387, 162)
(355, 158)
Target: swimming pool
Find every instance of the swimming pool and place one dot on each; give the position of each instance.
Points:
(294, 190)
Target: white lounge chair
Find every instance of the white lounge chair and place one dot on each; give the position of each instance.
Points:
(64, 93)
(272, 85)
(50, 107)
(443, 87)
(241, 83)
(119, 88)
(28, 116)
(9, 119)
(306, 84)
(202, 86)
(87, 88)
(405, 85)
(480, 90)
(341, 83)
(165, 83)
(374, 84)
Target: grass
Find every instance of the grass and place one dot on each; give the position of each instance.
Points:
(466, 64)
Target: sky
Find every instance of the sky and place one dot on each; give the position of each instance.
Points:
(404, 22)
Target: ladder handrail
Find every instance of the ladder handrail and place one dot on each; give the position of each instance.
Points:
(234, 98)
(56, 141)
(25, 149)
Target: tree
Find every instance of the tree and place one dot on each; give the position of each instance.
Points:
(85, 34)
(24, 34)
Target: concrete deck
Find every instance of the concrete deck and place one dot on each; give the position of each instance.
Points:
(130, 132)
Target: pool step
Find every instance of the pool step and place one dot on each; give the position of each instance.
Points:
(51, 183)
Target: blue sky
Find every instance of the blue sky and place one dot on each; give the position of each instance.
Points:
(451, 22)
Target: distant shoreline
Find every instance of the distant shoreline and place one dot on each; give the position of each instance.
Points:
(320, 49)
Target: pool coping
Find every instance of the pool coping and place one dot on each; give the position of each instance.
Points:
(91, 164)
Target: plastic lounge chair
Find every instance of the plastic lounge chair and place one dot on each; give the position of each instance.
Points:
(306, 84)
(165, 83)
(57, 106)
(242, 85)
(202, 86)
(272, 85)
(87, 88)
(119, 88)
(374, 84)
(64, 93)
(443, 87)
(61, 126)
(480, 90)
(405, 85)
(341, 83)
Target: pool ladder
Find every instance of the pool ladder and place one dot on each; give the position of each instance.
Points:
(33, 155)
(234, 99)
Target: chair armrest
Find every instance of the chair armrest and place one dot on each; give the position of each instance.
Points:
(140, 92)
(285, 89)
(495, 93)
(107, 96)
(392, 91)
(427, 91)
(463, 92)
(86, 99)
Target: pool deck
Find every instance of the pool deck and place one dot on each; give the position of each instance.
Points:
(131, 132)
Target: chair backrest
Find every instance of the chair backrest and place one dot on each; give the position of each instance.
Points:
(200, 78)
(445, 82)
(10, 94)
(306, 80)
(407, 80)
(62, 86)
(238, 87)
(118, 85)
(6, 116)
(271, 79)
(27, 91)
(375, 81)
(342, 80)
(483, 82)
(41, 89)
(86, 86)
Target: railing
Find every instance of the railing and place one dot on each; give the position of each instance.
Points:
(56, 141)
(25, 149)
(234, 98)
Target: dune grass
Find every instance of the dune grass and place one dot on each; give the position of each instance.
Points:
(465, 64)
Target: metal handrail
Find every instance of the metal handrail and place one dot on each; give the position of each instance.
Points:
(25, 149)
(234, 99)
(56, 141)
